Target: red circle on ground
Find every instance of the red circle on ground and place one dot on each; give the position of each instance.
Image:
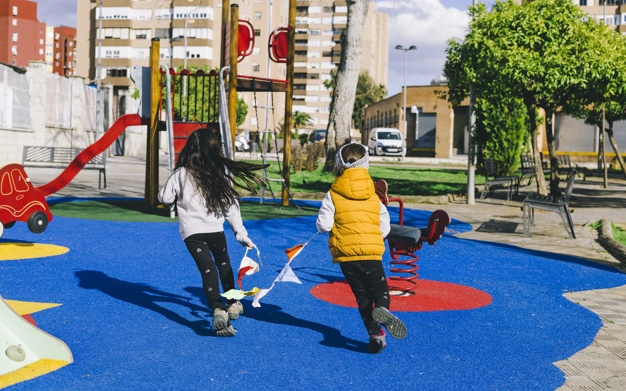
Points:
(429, 296)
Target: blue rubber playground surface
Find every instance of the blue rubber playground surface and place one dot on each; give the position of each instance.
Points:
(135, 318)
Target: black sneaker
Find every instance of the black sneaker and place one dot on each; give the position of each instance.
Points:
(377, 342)
(395, 326)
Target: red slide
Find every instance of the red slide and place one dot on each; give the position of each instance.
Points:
(88, 153)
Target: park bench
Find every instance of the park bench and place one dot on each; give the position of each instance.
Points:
(405, 240)
(558, 204)
(61, 157)
(492, 182)
(565, 165)
(527, 168)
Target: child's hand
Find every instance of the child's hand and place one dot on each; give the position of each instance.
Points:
(249, 245)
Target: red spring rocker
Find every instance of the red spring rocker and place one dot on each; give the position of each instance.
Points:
(404, 241)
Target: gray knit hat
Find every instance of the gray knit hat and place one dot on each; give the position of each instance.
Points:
(340, 165)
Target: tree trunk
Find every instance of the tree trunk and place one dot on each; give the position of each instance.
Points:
(532, 115)
(618, 155)
(342, 103)
(554, 162)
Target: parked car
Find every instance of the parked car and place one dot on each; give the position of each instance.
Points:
(242, 144)
(386, 141)
(20, 201)
(318, 136)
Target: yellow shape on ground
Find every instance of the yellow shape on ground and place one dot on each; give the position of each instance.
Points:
(31, 371)
(27, 307)
(13, 251)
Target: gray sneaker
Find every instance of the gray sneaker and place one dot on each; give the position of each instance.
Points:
(221, 324)
(395, 326)
(234, 310)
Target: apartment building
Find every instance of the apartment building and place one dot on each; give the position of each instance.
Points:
(613, 12)
(114, 35)
(22, 36)
(49, 51)
(63, 50)
(190, 34)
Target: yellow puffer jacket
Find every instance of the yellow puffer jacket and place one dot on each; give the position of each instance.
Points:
(356, 234)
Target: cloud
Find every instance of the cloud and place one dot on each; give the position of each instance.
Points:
(427, 24)
(57, 12)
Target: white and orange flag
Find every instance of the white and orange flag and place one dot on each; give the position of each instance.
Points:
(286, 275)
(246, 267)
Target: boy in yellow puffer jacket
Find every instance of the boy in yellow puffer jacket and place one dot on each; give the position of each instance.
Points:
(357, 223)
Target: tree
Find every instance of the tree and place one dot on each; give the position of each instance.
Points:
(342, 101)
(501, 130)
(242, 111)
(606, 95)
(300, 118)
(544, 52)
(367, 93)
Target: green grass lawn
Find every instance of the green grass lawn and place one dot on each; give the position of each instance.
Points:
(402, 180)
(140, 211)
(619, 234)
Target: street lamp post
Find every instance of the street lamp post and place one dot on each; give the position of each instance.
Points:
(400, 47)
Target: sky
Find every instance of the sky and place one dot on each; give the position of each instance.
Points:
(427, 24)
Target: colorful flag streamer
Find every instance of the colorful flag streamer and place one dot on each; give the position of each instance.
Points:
(286, 275)
(248, 266)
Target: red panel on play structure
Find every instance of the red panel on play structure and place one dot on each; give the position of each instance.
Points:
(279, 45)
(246, 40)
(182, 130)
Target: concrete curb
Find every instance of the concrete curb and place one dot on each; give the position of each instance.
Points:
(612, 246)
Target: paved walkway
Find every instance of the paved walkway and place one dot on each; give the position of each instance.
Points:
(601, 366)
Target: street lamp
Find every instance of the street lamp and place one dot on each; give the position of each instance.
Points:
(400, 47)
(172, 40)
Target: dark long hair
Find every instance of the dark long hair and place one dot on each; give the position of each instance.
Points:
(214, 174)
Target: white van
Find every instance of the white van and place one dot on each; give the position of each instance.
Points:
(386, 141)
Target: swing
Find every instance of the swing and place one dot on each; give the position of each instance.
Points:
(264, 154)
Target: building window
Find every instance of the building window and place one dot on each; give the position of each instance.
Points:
(14, 10)
(257, 15)
(582, 2)
(14, 50)
(14, 22)
(257, 32)
(116, 72)
(163, 33)
(14, 37)
(256, 67)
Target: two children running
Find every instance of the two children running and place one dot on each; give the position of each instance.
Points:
(202, 188)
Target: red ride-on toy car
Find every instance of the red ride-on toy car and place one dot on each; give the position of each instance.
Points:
(20, 201)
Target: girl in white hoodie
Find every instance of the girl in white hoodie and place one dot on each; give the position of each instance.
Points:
(202, 188)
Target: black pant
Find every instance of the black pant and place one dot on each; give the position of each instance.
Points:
(369, 284)
(201, 246)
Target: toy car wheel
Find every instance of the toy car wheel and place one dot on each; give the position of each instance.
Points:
(37, 222)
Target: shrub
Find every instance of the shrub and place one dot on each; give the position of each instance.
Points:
(307, 156)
